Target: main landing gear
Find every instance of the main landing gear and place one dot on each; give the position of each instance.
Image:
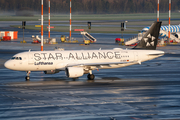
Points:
(90, 76)
(28, 75)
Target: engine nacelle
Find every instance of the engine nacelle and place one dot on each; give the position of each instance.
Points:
(74, 72)
(177, 35)
(51, 71)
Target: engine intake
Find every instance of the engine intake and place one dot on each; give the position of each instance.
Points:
(177, 35)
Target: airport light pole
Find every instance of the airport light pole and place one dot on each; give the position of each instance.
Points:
(70, 23)
(158, 12)
(41, 25)
(49, 20)
(122, 29)
(89, 26)
(23, 27)
(169, 18)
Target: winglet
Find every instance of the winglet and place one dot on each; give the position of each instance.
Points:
(150, 39)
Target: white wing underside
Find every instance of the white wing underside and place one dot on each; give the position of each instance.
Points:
(99, 65)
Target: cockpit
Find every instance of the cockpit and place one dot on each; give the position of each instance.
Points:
(16, 58)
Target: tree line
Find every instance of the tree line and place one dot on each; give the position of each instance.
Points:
(90, 6)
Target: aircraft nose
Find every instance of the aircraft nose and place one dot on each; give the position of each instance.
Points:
(8, 64)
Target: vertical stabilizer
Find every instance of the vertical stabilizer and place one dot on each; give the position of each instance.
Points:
(150, 39)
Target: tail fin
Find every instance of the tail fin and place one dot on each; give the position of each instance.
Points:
(149, 40)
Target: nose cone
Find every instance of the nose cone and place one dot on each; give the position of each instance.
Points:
(6, 64)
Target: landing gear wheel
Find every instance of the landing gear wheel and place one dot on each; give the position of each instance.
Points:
(90, 77)
(27, 78)
(28, 75)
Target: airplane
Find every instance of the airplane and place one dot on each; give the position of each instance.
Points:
(174, 29)
(76, 63)
(163, 33)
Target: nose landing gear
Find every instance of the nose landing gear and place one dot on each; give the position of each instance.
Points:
(28, 76)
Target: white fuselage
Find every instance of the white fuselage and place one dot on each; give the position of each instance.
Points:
(96, 59)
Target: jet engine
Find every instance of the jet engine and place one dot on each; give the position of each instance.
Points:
(74, 72)
(177, 35)
(51, 71)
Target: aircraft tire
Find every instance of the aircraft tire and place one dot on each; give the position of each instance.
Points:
(27, 78)
(90, 77)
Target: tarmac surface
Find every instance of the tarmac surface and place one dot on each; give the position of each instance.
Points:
(147, 91)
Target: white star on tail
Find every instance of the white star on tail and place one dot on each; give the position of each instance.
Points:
(149, 40)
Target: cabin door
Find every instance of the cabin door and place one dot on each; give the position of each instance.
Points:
(135, 56)
(30, 59)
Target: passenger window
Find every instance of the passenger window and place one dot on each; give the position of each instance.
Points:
(20, 58)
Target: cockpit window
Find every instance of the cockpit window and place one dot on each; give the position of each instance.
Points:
(12, 58)
(16, 58)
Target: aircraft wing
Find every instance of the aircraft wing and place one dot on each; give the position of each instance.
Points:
(97, 65)
(94, 65)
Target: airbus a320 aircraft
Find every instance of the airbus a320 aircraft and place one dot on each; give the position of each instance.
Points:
(79, 62)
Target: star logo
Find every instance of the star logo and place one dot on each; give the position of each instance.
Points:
(149, 40)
